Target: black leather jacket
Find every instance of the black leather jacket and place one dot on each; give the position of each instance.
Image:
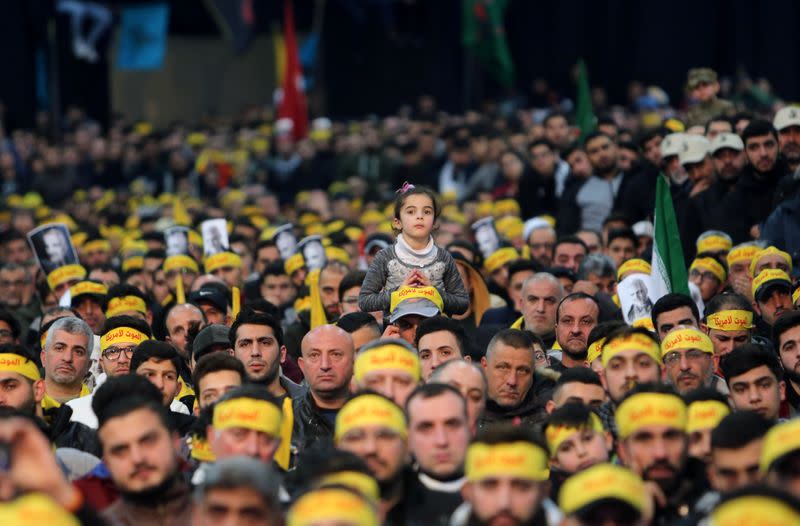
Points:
(63, 433)
(310, 427)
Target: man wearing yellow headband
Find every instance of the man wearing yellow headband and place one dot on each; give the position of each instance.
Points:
(710, 276)
(605, 494)
(227, 266)
(246, 421)
(332, 505)
(714, 243)
(576, 440)
(780, 457)
(95, 252)
(388, 366)
(127, 300)
(374, 428)
(687, 355)
(506, 470)
(89, 299)
(705, 407)
(653, 444)
(728, 322)
(738, 260)
(772, 297)
(786, 336)
(183, 267)
(770, 258)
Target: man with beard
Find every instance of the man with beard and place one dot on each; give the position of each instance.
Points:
(541, 295)
(327, 365)
(374, 428)
(66, 358)
(728, 322)
(772, 298)
(653, 443)
(630, 356)
(755, 381)
(506, 471)
(438, 435)
(88, 298)
(687, 355)
(509, 366)
(576, 316)
(728, 158)
(140, 451)
(705, 408)
(787, 123)
(786, 335)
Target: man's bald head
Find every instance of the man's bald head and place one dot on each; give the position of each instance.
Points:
(178, 321)
(326, 360)
(326, 336)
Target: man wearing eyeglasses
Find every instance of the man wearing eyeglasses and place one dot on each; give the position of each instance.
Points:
(688, 360)
(119, 337)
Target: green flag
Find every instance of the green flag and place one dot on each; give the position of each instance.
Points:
(484, 36)
(668, 272)
(584, 115)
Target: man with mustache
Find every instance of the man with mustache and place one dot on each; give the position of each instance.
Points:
(786, 335)
(687, 355)
(630, 356)
(509, 366)
(755, 380)
(787, 123)
(576, 316)
(501, 491)
(374, 428)
(772, 297)
(653, 443)
(141, 452)
(66, 358)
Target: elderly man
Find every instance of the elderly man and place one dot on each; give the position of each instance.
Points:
(576, 316)
(327, 364)
(687, 355)
(541, 294)
(66, 358)
(388, 366)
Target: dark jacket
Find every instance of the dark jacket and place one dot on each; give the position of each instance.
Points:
(63, 433)
(782, 228)
(295, 332)
(174, 508)
(310, 427)
(529, 413)
(568, 218)
(681, 500)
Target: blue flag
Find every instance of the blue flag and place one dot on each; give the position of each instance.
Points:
(143, 37)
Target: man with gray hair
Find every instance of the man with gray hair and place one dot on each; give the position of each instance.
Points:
(541, 294)
(237, 490)
(599, 270)
(66, 359)
(541, 239)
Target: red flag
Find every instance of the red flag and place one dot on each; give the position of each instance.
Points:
(293, 104)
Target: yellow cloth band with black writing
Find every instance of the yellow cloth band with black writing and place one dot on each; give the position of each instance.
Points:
(754, 510)
(179, 262)
(601, 482)
(714, 244)
(14, 363)
(686, 339)
(248, 413)
(201, 450)
(117, 306)
(369, 410)
(65, 274)
(406, 293)
(730, 320)
(222, 260)
(711, 265)
(499, 258)
(595, 350)
(650, 409)
(521, 460)
(631, 342)
(769, 251)
(121, 336)
(386, 357)
(635, 265)
(97, 245)
(88, 287)
(705, 414)
(780, 440)
(742, 254)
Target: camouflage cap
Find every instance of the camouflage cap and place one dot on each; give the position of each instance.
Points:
(698, 75)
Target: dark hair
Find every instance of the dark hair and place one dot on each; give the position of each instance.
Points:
(513, 338)
(221, 288)
(121, 290)
(156, 253)
(651, 388)
(624, 331)
(353, 321)
(19, 350)
(704, 394)
(570, 240)
(250, 317)
(505, 432)
(569, 415)
(256, 392)
(121, 395)
(315, 463)
(786, 321)
(265, 243)
(601, 330)
(433, 390)
(12, 322)
(400, 200)
(353, 278)
(154, 349)
(651, 134)
(738, 429)
(747, 357)
(442, 323)
(126, 321)
(523, 265)
(276, 268)
(616, 215)
(670, 302)
(213, 362)
(727, 301)
(541, 142)
(569, 298)
(596, 135)
(579, 375)
(261, 306)
(624, 233)
(757, 128)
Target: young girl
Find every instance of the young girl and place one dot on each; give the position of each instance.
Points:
(414, 260)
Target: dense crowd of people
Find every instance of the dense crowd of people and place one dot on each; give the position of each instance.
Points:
(426, 319)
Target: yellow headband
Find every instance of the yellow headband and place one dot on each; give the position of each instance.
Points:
(742, 254)
(499, 258)
(770, 274)
(14, 363)
(711, 265)
(117, 306)
(522, 460)
(600, 482)
(595, 350)
(795, 295)
(686, 339)
(337, 254)
(122, 335)
(636, 265)
(730, 320)
(36, 509)
(754, 510)
(360, 482)
(100, 245)
(650, 409)
(65, 274)
(405, 293)
(293, 264)
(331, 505)
(769, 251)
(557, 434)
(249, 413)
(705, 414)
(201, 450)
(369, 410)
(133, 263)
(780, 440)
(180, 261)
(714, 244)
(222, 259)
(88, 287)
(386, 357)
(631, 342)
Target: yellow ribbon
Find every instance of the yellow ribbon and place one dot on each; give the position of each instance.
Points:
(522, 460)
(769, 274)
(97, 245)
(742, 254)
(117, 306)
(179, 262)
(248, 413)
(686, 339)
(64, 274)
(88, 287)
(769, 251)
(754, 510)
(221, 260)
(15, 363)
(599, 482)
(649, 409)
(406, 293)
(635, 265)
(705, 414)
(390, 356)
(331, 505)
(499, 258)
(714, 244)
(711, 265)
(122, 335)
(369, 410)
(730, 320)
(360, 482)
(631, 342)
(780, 440)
